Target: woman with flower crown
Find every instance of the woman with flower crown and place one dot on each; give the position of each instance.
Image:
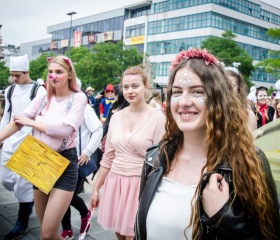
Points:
(206, 179)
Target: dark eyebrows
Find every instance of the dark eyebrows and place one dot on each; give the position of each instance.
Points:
(188, 86)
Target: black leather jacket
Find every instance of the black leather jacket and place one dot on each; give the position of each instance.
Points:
(228, 223)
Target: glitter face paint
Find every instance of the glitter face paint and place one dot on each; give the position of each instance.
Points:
(185, 80)
(175, 99)
(200, 99)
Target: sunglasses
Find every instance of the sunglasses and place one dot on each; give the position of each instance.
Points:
(109, 91)
(65, 59)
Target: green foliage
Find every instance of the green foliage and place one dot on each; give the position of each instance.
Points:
(273, 32)
(39, 67)
(4, 75)
(272, 63)
(106, 64)
(103, 64)
(228, 51)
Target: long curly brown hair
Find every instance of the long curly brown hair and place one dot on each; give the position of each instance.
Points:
(227, 137)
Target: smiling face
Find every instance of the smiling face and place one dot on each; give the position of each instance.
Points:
(134, 89)
(262, 97)
(187, 101)
(58, 76)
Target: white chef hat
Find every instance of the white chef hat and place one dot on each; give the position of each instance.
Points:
(19, 63)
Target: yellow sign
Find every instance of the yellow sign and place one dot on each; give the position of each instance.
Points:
(37, 163)
(135, 40)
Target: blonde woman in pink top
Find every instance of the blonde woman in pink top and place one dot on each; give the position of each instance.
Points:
(131, 131)
(55, 118)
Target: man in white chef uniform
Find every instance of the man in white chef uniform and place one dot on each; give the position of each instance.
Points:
(20, 98)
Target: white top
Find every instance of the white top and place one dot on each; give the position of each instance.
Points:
(170, 212)
(20, 100)
(91, 132)
(158, 106)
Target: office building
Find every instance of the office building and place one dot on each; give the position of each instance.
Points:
(162, 28)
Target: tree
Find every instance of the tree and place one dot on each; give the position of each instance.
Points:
(106, 64)
(272, 64)
(228, 51)
(38, 68)
(4, 75)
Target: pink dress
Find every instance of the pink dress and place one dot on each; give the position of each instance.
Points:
(124, 155)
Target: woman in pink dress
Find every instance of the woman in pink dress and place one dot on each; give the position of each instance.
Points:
(131, 131)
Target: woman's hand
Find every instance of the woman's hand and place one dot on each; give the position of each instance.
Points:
(215, 194)
(23, 121)
(94, 201)
(83, 159)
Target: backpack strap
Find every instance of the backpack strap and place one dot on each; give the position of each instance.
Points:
(11, 90)
(68, 107)
(9, 97)
(34, 90)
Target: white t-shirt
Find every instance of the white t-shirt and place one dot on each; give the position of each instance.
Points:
(20, 100)
(170, 211)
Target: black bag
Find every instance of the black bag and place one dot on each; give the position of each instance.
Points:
(87, 169)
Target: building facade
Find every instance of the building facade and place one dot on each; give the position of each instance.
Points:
(162, 28)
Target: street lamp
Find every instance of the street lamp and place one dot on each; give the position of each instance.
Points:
(70, 31)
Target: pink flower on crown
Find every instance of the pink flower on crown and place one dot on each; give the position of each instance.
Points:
(193, 53)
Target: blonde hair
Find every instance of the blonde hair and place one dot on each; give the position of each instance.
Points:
(136, 70)
(68, 66)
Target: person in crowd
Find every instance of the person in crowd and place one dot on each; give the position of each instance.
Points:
(90, 96)
(98, 98)
(119, 103)
(239, 88)
(251, 97)
(276, 100)
(55, 119)
(106, 103)
(131, 131)
(264, 113)
(156, 100)
(208, 177)
(88, 140)
(19, 100)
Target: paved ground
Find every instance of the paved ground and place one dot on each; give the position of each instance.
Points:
(9, 209)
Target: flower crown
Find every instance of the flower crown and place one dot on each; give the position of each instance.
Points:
(193, 53)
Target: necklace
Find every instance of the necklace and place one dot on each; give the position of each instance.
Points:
(186, 169)
(134, 119)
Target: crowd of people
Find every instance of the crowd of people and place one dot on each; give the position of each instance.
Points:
(202, 176)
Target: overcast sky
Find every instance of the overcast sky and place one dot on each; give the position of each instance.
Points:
(27, 20)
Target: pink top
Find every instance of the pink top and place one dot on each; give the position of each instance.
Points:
(125, 152)
(59, 123)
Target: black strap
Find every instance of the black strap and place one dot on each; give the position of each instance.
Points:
(33, 93)
(80, 142)
(9, 97)
(34, 90)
